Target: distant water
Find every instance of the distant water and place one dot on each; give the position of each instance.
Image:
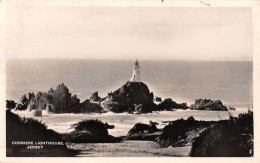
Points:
(183, 81)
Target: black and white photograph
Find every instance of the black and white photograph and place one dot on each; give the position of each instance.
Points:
(129, 81)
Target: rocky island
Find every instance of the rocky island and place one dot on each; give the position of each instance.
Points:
(133, 97)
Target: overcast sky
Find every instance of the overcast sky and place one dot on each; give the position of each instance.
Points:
(129, 33)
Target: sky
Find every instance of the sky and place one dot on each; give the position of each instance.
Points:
(146, 33)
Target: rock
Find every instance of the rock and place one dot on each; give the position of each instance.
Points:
(28, 129)
(118, 107)
(90, 131)
(158, 99)
(145, 108)
(207, 104)
(132, 93)
(169, 104)
(142, 128)
(181, 132)
(10, 104)
(142, 131)
(87, 107)
(23, 104)
(56, 101)
(95, 97)
(109, 126)
(62, 99)
(130, 97)
(59, 101)
(226, 138)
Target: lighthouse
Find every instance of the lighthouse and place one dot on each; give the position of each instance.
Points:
(136, 73)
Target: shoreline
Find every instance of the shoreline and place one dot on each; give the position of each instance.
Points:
(123, 121)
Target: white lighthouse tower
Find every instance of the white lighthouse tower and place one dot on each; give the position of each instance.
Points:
(136, 73)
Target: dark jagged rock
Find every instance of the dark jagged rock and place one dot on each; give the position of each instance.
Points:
(119, 107)
(10, 104)
(158, 99)
(181, 132)
(109, 126)
(40, 101)
(28, 129)
(130, 97)
(87, 107)
(62, 99)
(23, 104)
(207, 104)
(95, 97)
(227, 138)
(169, 104)
(58, 101)
(145, 108)
(142, 131)
(141, 128)
(90, 131)
(132, 93)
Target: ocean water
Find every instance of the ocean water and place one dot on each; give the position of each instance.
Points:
(123, 122)
(183, 81)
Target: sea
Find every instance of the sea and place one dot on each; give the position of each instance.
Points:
(183, 81)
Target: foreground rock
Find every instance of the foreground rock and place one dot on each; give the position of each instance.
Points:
(227, 138)
(27, 129)
(181, 132)
(142, 131)
(207, 104)
(90, 131)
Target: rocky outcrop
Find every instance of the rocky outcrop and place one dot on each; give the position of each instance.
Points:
(90, 131)
(10, 104)
(181, 132)
(142, 131)
(158, 99)
(62, 99)
(87, 107)
(132, 93)
(207, 104)
(23, 104)
(95, 97)
(145, 108)
(28, 129)
(132, 96)
(118, 107)
(58, 101)
(169, 104)
(227, 138)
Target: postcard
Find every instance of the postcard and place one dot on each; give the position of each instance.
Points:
(152, 80)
